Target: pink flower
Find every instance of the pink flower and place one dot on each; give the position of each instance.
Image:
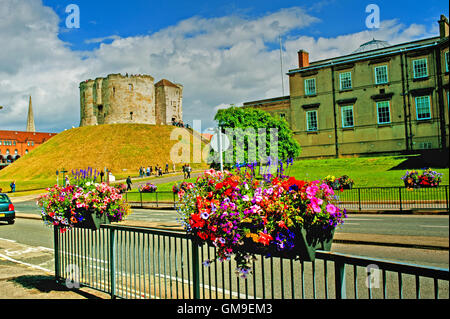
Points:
(311, 191)
(331, 209)
(315, 204)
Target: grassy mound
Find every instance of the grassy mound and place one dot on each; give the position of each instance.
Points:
(122, 148)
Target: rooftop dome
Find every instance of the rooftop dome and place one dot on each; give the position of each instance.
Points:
(372, 45)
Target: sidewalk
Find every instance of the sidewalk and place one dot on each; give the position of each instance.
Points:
(22, 280)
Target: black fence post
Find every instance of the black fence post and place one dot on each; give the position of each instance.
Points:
(56, 248)
(359, 199)
(140, 195)
(400, 198)
(446, 198)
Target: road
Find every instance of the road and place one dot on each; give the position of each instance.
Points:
(34, 233)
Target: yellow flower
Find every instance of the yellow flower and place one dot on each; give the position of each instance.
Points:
(254, 237)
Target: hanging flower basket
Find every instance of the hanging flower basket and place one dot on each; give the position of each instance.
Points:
(83, 205)
(93, 221)
(244, 217)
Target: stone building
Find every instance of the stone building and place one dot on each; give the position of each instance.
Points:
(130, 99)
(380, 99)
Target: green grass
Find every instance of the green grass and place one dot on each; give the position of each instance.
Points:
(122, 148)
(365, 171)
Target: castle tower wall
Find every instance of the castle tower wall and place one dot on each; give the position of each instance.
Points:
(129, 99)
(87, 115)
(169, 97)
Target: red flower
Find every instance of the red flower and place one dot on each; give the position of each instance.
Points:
(197, 221)
(265, 239)
(219, 186)
(282, 224)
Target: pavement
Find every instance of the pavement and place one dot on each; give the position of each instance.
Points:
(22, 280)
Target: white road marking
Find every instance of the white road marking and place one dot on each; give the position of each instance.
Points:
(25, 264)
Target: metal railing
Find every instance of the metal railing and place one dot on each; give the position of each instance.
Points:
(357, 199)
(395, 198)
(130, 262)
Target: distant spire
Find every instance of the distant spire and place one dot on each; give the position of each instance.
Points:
(30, 118)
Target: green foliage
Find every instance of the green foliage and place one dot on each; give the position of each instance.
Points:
(245, 118)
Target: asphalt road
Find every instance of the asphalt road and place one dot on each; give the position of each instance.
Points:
(36, 234)
(383, 224)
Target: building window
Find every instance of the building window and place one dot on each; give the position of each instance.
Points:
(420, 68)
(345, 80)
(347, 116)
(310, 86)
(446, 62)
(423, 108)
(311, 121)
(383, 112)
(381, 74)
(26, 151)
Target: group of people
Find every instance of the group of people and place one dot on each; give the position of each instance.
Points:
(179, 124)
(187, 169)
(158, 170)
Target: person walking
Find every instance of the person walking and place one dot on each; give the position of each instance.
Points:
(13, 186)
(129, 183)
(188, 171)
(167, 169)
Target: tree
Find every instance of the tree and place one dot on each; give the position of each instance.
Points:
(246, 124)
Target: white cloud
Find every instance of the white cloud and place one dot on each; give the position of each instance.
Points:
(220, 61)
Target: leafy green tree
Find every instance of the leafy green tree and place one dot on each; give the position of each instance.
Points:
(240, 119)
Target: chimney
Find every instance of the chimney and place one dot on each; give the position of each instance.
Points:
(303, 59)
(443, 26)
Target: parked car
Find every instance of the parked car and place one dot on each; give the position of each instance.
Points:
(7, 210)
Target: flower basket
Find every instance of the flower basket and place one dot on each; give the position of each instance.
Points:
(148, 188)
(93, 221)
(306, 242)
(83, 205)
(244, 217)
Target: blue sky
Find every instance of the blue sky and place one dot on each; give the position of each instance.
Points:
(223, 52)
(139, 17)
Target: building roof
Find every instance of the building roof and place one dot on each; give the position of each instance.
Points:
(22, 137)
(372, 45)
(165, 82)
(369, 51)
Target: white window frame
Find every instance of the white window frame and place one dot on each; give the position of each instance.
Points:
(345, 108)
(378, 111)
(415, 62)
(427, 97)
(308, 124)
(385, 67)
(307, 87)
(345, 76)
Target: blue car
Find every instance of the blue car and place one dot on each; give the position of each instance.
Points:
(7, 210)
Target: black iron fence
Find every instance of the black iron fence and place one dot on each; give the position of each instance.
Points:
(399, 199)
(128, 262)
(395, 198)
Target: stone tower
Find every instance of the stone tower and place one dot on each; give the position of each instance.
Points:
(129, 99)
(169, 102)
(30, 118)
